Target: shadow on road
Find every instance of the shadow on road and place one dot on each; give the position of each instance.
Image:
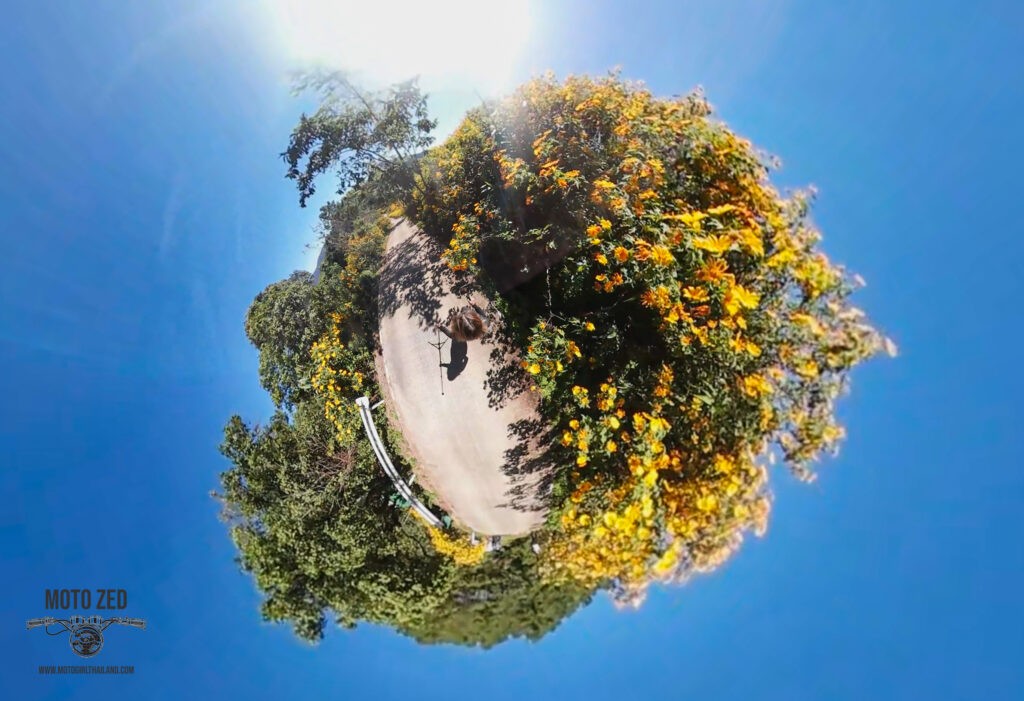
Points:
(458, 361)
(412, 275)
(506, 379)
(529, 465)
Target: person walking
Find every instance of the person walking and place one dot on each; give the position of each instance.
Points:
(466, 324)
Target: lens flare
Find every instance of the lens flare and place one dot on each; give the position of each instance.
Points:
(448, 43)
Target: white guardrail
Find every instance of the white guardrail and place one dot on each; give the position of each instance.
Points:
(385, 461)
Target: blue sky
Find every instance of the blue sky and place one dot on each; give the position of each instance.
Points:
(143, 205)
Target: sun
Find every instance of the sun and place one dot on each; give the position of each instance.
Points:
(448, 43)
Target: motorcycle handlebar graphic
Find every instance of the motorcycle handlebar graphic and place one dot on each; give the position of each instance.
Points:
(133, 622)
(37, 622)
(85, 635)
(94, 620)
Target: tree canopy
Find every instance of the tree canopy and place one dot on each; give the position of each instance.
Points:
(358, 133)
(283, 322)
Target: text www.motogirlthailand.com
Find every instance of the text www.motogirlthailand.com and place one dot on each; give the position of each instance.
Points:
(86, 669)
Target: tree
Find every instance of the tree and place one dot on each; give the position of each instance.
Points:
(503, 597)
(358, 132)
(313, 523)
(283, 322)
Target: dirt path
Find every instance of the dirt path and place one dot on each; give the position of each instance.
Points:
(477, 444)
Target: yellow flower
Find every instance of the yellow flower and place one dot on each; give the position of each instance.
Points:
(639, 422)
(593, 230)
(601, 258)
(746, 297)
(621, 254)
(756, 386)
(713, 244)
(659, 424)
(809, 321)
(831, 434)
(581, 461)
(534, 369)
(808, 368)
(605, 224)
(692, 219)
(752, 241)
(738, 297)
(661, 255)
(666, 563)
(721, 209)
(723, 464)
(589, 326)
(610, 446)
(707, 502)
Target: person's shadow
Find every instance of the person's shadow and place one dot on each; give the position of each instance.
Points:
(458, 361)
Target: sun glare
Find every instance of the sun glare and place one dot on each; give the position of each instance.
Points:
(449, 43)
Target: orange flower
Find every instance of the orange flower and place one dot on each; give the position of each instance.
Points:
(695, 294)
(661, 255)
(713, 271)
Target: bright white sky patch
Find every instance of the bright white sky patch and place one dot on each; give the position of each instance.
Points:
(466, 44)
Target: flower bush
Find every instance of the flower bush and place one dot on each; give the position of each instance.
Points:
(675, 312)
(339, 377)
(456, 546)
